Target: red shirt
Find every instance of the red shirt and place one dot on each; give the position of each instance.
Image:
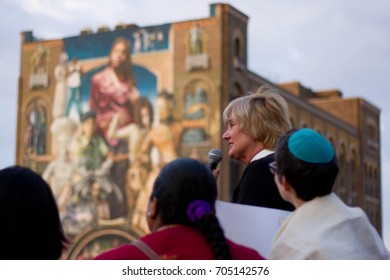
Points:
(177, 243)
(110, 96)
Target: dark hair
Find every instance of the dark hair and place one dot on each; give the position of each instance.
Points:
(127, 68)
(182, 182)
(88, 115)
(143, 102)
(30, 222)
(309, 180)
(169, 98)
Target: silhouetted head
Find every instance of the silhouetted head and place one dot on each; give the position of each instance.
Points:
(30, 222)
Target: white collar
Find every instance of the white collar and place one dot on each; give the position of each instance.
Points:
(261, 154)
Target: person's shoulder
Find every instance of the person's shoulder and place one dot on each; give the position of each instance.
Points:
(241, 252)
(261, 165)
(99, 75)
(264, 160)
(123, 252)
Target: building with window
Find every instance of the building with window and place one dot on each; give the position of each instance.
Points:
(157, 93)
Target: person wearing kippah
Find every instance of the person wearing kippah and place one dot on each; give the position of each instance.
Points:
(322, 226)
(254, 123)
(182, 220)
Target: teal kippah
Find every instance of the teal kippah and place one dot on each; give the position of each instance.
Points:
(310, 146)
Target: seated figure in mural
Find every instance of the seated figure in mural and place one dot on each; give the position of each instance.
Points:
(93, 195)
(91, 154)
(114, 91)
(89, 149)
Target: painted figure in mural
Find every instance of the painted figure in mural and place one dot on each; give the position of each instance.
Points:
(139, 214)
(114, 91)
(27, 139)
(91, 154)
(195, 109)
(146, 163)
(161, 135)
(60, 92)
(134, 132)
(150, 147)
(74, 87)
(61, 172)
(195, 41)
(38, 122)
(164, 105)
(39, 60)
(145, 39)
(88, 148)
(137, 42)
(152, 40)
(95, 193)
(160, 38)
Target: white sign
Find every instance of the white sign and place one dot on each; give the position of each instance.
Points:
(251, 226)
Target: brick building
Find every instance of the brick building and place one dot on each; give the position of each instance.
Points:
(199, 66)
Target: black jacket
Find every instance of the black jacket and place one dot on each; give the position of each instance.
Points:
(257, 187)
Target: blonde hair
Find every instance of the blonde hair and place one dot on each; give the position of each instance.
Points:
(263, 115)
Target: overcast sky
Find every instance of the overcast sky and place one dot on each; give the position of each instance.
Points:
(343, 44)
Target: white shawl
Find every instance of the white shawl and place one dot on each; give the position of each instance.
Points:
(325, 228)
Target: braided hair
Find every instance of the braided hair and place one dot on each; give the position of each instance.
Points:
(186, 191)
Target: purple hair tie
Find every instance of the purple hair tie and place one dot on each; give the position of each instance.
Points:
(197, 209)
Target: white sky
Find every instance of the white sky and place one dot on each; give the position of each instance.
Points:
(341, 44)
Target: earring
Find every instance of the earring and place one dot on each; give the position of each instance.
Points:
(149, 214)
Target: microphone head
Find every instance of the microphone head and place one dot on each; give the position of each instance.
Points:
(215, 156)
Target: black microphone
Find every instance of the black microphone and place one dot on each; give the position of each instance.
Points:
(215, 156)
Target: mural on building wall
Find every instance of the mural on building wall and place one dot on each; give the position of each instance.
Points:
(40, 60)
(36, 128)
(196, 108)
(111, 130)
(197, 57)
